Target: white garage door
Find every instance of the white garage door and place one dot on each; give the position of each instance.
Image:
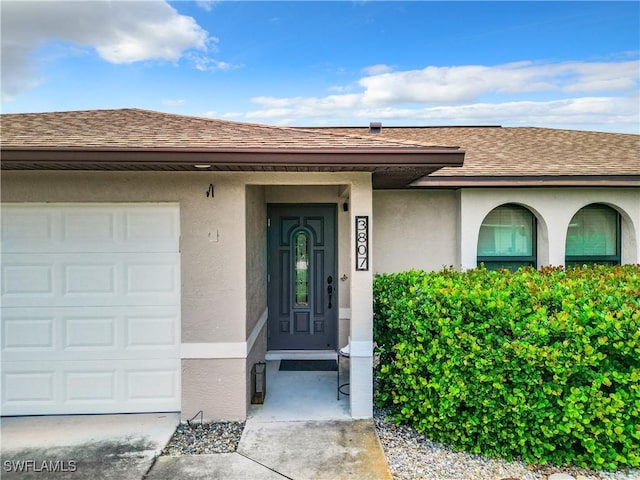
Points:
(90, 308)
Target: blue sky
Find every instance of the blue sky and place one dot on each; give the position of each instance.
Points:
(550, 64)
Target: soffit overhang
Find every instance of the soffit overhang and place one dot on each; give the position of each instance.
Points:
(391, 167)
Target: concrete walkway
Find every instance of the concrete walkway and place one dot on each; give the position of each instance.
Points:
(302, 432)
(124, 447)
(316, 450)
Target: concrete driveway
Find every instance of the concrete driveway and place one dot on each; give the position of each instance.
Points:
(119, 447)
(83, 446)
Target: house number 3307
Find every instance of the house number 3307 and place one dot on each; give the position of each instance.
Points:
(362, 243)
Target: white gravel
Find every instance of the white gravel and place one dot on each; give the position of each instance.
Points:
(412, 456)
(204, 438)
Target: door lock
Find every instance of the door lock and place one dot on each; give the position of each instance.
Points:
(329, 288)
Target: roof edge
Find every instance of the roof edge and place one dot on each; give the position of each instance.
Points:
(373, 150)
(529, 181)
(243, 157)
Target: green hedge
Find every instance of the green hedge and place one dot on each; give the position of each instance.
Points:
(541, 365)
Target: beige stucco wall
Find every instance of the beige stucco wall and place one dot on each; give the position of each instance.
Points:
(212, 311)
(223, 260)
(415, 229)
(215, 386)
(431, 229)
(256, 256)
(554, 208)
(256, 271)
(223, 253)
(212, 265)
(361, 325)
(256, 354)
(211, 244)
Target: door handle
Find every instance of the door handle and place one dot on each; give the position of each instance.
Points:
(329, 288)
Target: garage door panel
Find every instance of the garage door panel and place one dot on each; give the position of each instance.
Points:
(90, 308)
(90, 387)
(157, 332)
(89, 279)
(23, 226)
(90, 333)
(159, 277)
(90, 228)
(26, 279)
(31, 334)
(108, 279)
(151, 385)
(85, 334)
(97, 386)
(158, 227)
(35, 386)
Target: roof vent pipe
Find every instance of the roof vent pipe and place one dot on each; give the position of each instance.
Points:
(375, 127)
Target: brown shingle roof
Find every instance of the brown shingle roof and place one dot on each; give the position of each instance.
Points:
(142, 139)
(136, 128)
(133, 139)
(493, 154)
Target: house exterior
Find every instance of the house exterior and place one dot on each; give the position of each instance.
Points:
(541, 177)
(149, 260)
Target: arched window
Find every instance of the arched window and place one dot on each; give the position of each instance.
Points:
(508, 238)
(593, 236)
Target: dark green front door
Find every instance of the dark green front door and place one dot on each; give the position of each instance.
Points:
(302, 290)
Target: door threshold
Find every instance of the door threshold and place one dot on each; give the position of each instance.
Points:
(301, 355)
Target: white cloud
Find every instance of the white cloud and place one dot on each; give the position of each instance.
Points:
(594, 77)
(556, 112)
(205, 63)
(173, 103)
(579, 110)
(18, 74)
(304, 106)
(339, 88)
(207, 4)
(217, 115)
(121, 32)
(233, 114)
(523, 93)
(377, 69)
(458, 84)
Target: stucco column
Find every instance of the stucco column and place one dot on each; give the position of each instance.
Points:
(361, 361)
(632, 232)
(557, 227)
(472, 213)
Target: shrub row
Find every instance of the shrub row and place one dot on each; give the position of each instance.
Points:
(541, 365)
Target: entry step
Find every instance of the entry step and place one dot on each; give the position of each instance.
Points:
(301, 355)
